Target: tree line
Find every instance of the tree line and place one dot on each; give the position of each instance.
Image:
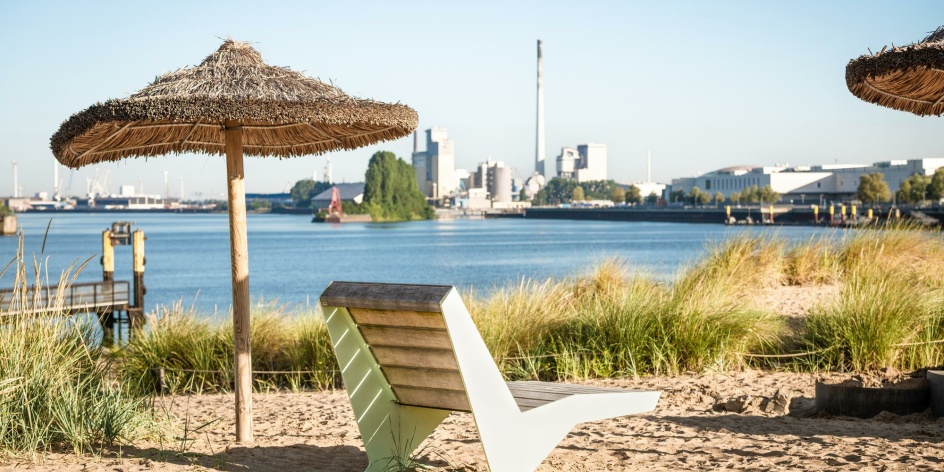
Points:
(917, 188)
(560, 190)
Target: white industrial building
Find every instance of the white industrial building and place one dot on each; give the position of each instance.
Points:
(649, 188)
(586, 162)
(490, 185)
(806, 183)
(490, 182)
(436, 166)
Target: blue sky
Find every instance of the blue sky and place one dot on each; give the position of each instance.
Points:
(703, 84)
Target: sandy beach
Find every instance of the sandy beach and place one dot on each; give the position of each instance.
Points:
(769, 427)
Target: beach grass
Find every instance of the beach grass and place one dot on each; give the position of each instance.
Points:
(56, 387)
(290, 350)
(608, 322)
(890, 308)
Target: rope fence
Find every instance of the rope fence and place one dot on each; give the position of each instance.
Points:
(786, 356)
(161, 385)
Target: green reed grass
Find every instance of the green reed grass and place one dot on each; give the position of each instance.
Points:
(891, 305)
(815, 262)
(607, 324)
(289, 350)
(55, 385)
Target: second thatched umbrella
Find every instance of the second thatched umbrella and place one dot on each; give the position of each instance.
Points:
(908, 78)
(232, 103)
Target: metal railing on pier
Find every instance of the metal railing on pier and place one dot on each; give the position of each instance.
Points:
(89, 297)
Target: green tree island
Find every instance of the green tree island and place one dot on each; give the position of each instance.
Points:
(390, 190)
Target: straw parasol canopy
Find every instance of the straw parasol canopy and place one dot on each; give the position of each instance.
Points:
(232, 103)
(908, 78)
(283, 114)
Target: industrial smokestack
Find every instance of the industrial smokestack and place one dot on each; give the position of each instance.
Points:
(416, 142)
(16, 182)
(649, 167)
(55, 181)
(539, 147)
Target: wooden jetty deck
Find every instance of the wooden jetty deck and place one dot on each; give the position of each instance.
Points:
(90, 297)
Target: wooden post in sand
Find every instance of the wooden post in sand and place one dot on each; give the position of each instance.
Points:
(239, 254)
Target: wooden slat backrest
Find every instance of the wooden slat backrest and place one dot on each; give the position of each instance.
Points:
(404, 327)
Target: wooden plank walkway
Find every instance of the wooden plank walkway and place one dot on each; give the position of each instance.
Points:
(89, 297)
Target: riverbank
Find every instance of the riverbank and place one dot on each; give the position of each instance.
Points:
(782, 215)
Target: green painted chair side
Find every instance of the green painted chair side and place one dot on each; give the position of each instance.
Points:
(390, 431)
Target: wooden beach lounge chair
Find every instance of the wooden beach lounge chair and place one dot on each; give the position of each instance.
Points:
(410, 354)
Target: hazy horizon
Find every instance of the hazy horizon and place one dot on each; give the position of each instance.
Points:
(703, 85)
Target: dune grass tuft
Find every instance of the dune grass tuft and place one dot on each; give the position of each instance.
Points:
(608, 324)
(891, 305)
(56, 390)
(289, 350)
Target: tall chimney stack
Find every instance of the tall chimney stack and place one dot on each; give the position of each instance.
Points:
(416, 142)
(649, 167)
(539, 148)
(55, 180)
(16, 181)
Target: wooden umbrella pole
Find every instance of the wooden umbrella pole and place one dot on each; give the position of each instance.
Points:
(239, 253)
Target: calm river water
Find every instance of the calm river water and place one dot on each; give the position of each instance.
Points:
(291, 260)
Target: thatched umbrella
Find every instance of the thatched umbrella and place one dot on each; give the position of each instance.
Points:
(908, 78)
(232, 103)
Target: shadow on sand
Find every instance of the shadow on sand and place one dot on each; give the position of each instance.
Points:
(275, 459)
(804, 421)
(267, 459)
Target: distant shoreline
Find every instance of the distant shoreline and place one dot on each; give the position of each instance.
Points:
(277, 211)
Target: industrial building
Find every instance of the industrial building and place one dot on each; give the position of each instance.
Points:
(435, 167)
(801, 184)
(649, 188)
(490, 185)
(586, 162)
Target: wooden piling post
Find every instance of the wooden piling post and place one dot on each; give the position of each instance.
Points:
(137, 254)
(160, 382)
(239, 256)
(107, 318)
(108, 257)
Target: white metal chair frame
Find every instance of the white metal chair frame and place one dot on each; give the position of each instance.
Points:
(519, 423)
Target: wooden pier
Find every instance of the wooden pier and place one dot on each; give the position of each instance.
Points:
(111, 301)
(90, 297)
